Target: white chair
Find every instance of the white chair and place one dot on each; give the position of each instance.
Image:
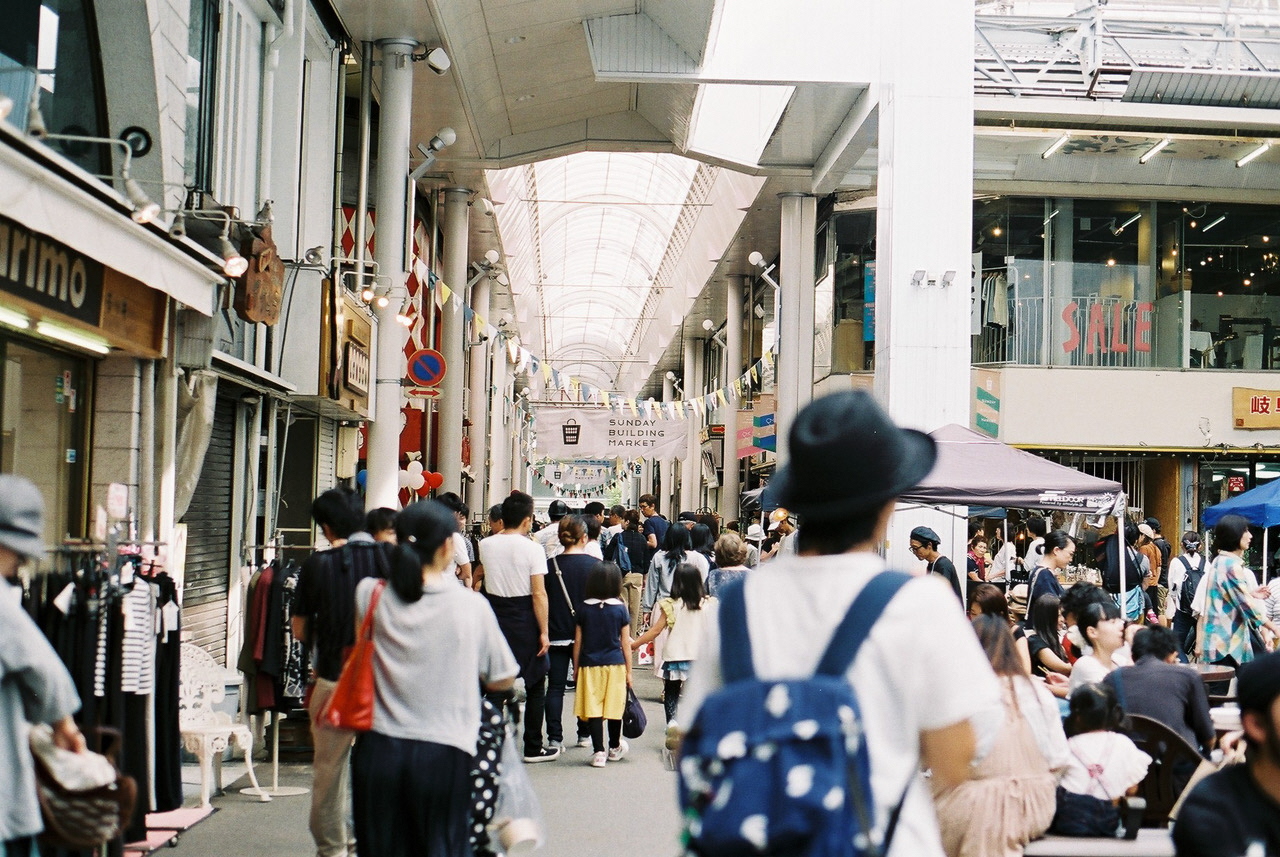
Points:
(206, 733)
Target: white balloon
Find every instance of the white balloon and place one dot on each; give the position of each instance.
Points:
(414, 467)
(403, 479)
(417, 480)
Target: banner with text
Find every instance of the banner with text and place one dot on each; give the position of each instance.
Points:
(581, 432)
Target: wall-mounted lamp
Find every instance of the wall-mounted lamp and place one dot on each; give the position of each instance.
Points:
(758, 310)
(948, 277)
(445, 137)
(917, 279)
(233, 264)
(145, 209)
(757, 259)
(924, 279)
(35, 119)
(437, 59)
(486, 205)
(314, 256)
(402, 315)
(675, 382)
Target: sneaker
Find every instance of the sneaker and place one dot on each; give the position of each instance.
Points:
(545, 754)
(583, 743)
(598, 759)
(558, 746)
(672, 742)
(616, 753)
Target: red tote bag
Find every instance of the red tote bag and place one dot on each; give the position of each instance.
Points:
(351, 705)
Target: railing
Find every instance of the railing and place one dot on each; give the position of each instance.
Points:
(1081, 331)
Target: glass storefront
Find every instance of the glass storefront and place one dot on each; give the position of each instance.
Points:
(1083, 282)
(43, 410)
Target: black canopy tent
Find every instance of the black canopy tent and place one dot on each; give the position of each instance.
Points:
(974, 469)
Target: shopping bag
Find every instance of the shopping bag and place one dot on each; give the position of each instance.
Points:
(84, 800)
(645, 655)
(633, 716)
(517, 824)
(351, 705)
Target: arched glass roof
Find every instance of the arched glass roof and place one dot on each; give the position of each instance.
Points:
(584, 237)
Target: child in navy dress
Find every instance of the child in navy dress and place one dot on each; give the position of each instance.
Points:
(602, 662)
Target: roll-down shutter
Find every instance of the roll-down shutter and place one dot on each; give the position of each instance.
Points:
(208, 566)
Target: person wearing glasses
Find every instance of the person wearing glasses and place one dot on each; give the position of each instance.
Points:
(924, 544)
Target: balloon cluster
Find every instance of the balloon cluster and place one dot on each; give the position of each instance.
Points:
(419, 481)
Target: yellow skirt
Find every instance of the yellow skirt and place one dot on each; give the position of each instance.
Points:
(602, 692)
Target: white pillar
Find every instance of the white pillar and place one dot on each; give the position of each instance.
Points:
(499, 450)
(731, 491)
(478, 399)
(924, 223)
(666, 467)
(794, 379)
(452, 331)
(691, 467)
(383, 457)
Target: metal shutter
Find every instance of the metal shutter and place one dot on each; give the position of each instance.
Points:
(326, 454)
(208, 568)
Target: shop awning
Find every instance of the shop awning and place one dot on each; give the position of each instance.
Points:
(976, 470)
(1260, 506)
(54, 205)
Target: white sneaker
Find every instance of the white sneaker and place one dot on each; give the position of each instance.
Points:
(598, 759)
(583, 742)
(616, 753)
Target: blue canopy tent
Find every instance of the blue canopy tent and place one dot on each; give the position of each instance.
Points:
(1260, 507)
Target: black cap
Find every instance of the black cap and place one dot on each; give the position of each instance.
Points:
(558, 509)
(687, 516)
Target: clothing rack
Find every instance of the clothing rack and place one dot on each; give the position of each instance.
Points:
(276, 790)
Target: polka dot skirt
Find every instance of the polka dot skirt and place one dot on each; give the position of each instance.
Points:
(485, 768)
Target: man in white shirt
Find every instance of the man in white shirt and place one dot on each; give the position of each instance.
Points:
(549, 536)
(921, 678)
(515, 570)
(460, 566)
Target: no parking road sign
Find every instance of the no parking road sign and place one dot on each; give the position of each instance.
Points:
(426, 367)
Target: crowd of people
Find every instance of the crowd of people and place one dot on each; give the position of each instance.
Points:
(994, 705)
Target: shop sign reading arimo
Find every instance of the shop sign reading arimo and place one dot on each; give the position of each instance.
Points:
(49, 273)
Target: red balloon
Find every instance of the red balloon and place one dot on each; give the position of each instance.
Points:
(435, 480)
(424, 490)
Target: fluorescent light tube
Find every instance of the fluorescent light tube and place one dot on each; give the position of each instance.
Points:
(14, 319)
(1154, 150)
(1055, 146)
(1209, 226)
(1256, 153)
(72, 337)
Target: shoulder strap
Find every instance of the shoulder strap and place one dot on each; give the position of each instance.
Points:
(366, 626)
(852, 631)
(560, 577)
(735, 641)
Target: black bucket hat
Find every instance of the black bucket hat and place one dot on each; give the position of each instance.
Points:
(847, 456)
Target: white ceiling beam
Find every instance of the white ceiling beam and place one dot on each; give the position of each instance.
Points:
(856, 135)
(1120, 114)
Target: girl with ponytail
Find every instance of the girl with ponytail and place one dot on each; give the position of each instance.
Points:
(436, 644)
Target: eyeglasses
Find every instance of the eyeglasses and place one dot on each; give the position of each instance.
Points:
(915, 548)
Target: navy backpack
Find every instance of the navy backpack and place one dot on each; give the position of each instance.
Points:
(781, 767)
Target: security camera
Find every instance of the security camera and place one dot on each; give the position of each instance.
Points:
(438, 60)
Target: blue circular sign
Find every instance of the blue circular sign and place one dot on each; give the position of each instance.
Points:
(426, 367)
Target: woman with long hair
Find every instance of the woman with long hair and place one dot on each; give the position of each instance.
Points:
(1058, 550)
(986, 599)
(436, 644)
(1009, 798)
(1049, 659)
(1233, 619)
(677, 549)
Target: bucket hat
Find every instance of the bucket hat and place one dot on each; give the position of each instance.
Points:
(755, 533)
(21, 516)
(847, 456)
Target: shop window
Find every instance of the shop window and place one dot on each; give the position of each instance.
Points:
(51, 49)
(202, 52)
(853, 292)
(42, 411)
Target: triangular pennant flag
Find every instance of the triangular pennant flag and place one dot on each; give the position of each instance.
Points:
(768, 358)
(755, 374)
(724, 401)
(546, 372)
(632, 404)
(445, 291)
(468, 313)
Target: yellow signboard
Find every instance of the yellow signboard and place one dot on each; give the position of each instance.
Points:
(1255, 409)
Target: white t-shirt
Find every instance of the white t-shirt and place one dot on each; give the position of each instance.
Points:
(1116, 763)
(920, 669)
(549, 538)
(1086, 670)
(510, 560)
(593, 549)
(461, 556)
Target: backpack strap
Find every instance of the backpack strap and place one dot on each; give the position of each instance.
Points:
(735, 641)
(852, 631)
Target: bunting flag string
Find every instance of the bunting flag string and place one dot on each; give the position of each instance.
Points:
(581, 392)
(621, 470)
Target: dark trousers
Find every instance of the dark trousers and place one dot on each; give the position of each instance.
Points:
(557, 682)
(597, 725)
(1184, 628)
(23, 847)
(671, 697)
(535, 705)
(411, 798)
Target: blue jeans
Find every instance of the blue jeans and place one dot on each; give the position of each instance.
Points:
(557, 679)
(1184, 628)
